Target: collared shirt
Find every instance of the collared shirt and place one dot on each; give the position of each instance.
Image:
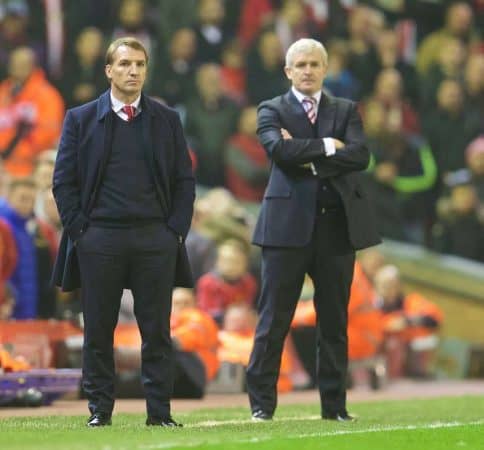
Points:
(329, 145)
(117, 107)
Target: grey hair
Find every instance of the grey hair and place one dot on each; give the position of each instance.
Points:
(305, 45)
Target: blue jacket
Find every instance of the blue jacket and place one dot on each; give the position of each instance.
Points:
(24, 278)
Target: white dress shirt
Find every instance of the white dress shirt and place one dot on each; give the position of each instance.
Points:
(117, 107)
(329, 146)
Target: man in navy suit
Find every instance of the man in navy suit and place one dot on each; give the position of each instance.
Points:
(314, 216)
(124, 188)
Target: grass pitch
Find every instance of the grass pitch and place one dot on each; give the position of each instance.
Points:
(436, 424)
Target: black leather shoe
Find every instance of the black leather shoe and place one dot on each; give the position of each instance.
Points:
(162, 422)
(261, 416)
(339, 417)
(99, 420)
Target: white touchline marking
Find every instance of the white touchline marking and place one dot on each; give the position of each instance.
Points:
(254, 440)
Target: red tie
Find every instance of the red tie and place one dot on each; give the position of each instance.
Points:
(309, 104)
(129, 110)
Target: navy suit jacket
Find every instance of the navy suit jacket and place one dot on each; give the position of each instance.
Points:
(84, 151)
(288, 210)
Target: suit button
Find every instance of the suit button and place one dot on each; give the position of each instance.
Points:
(323, 210)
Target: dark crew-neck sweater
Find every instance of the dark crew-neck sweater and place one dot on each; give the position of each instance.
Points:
(127, 195)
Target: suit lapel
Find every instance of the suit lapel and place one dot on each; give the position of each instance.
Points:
(300, 124)
(326, 117)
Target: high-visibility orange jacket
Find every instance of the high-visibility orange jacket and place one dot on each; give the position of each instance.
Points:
(365, 327)
(237, 347)
(195, 331)
(37, 103)
(365, 320)
(413, 307)
(10, 364)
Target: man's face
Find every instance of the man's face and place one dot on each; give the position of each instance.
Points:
(307, 72)
(127, 72)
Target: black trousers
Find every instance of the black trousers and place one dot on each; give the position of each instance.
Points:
(143, 260)
(329, 260)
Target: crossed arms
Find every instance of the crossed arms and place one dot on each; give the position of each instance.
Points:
(289, 152)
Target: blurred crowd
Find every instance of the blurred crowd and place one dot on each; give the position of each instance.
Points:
(415, 68)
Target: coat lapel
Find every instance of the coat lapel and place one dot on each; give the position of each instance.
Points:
(300, 124)
(326, 117)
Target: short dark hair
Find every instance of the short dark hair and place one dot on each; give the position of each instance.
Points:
(128, 41)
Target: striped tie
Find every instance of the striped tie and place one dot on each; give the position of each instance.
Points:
(130, 111)
(309, 104)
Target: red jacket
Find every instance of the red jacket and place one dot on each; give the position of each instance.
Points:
(8, 255)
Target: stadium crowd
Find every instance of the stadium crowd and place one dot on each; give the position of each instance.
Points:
(415, 68)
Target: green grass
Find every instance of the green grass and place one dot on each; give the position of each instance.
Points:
(437, 424)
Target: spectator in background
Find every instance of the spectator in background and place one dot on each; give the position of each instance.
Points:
(402, 170)
(4, 179)
(388, 93)
(17, 210)
(229, 283)
(83, 79)
(450, 127)
(411, 323)
(212, 35)
(15, 18)
(237, 339)
(361, 46)
(174, 15)
(475, 164)
(132, 20)
(459, 229)
(31, 112)
(233, 72)
(449, 65)
(247, 167)
(194, 335)
(8, 262)
(458, 24)
(388, 57)
(211, 119)
(292, 22)
(265, 63)
(201, 249)
(254, 15)
(339, 80)
(474, 84)
(175, 76)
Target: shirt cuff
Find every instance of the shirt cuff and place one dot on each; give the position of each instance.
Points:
(329, 146)
(313, 169)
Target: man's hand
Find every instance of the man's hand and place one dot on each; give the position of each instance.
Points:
(285, 134)
(338, 144)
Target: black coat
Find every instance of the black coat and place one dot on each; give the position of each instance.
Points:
(84, 152)
(288, 210)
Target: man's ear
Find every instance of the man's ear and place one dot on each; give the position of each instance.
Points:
(288, 72)
(107, 71)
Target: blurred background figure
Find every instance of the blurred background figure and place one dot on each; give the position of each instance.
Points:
(31, 113)
(411, 324)
(17, 211)
(211, 119)
(247, 167)
(229, 283)
(84, 78)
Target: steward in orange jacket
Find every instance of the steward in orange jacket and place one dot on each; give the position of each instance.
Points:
(237, 339)
(195, 331)
(31, 113)
(10, 364)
